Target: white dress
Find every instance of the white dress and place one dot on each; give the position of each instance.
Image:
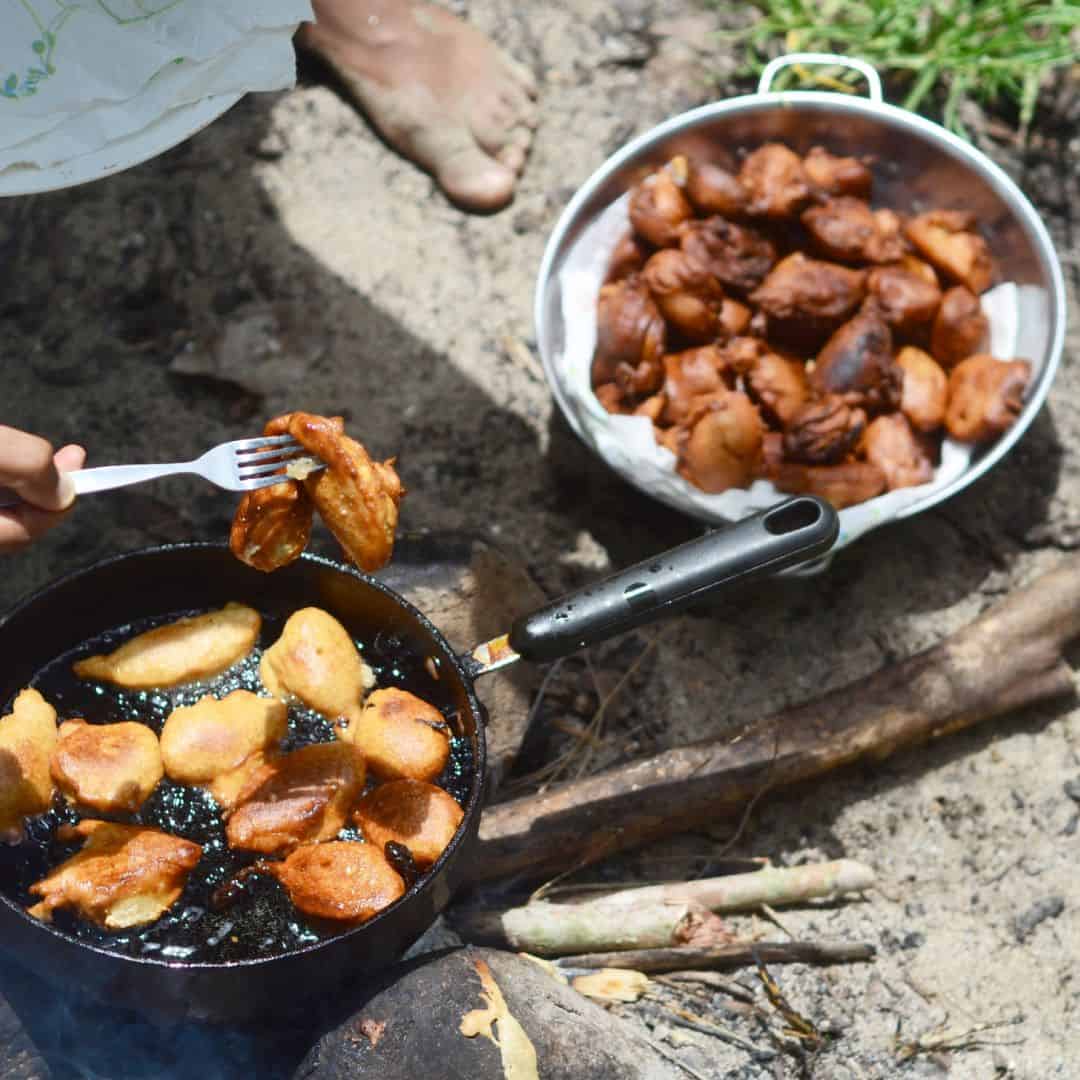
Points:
(89, 87)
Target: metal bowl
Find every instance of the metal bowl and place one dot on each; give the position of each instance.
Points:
(918, 165)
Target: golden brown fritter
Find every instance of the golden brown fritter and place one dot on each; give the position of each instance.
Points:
(847, 229)
(810, 292)
(196, 647)
(300, 798)
(686, 293)
(713, 190)
(985, 397)
(891, 445)
(774, 179)
(960, 328)
(630, 336)
(342, 880)
(27, 739)
(777, 385)
(204, 741)
(657, 207)
(356, 497)
(738, 256)
(857, 363)
(724, 443)
(399, 735)
(421, 816)
(125, 875)
(925, 389)
(110, 768)
(837, 175)
(688, 375)
(908, 301)
(317, 663)
(823, 431)
(947, 238)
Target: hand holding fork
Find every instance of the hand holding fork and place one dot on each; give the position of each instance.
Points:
(38, 485)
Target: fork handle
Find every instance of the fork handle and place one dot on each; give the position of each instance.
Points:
(106, 477)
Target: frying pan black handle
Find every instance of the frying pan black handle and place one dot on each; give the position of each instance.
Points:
(793, 532)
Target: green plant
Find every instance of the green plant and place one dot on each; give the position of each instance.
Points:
(991, 51)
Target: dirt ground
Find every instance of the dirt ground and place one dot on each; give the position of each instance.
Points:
(285, 258)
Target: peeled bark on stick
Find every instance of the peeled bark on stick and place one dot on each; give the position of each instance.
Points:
(1008, 658)
(687, 958)
(656, 915)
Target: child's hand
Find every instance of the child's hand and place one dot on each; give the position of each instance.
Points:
(35, 473)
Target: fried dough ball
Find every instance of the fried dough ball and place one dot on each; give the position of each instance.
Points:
(272, 525)
(125, 875)
(421, 816)
(27, 739)
(822, 432)
(301, 798)
(734, 318)
(688, 375)
(774, 179)
(342, 880)
(196, 647)
(842, 485)
(738, 256)
(925, 389)
(892, 445)
(657, 208)
(399, 735)
(724, 443)
(907, 300)
(315, 661)
(837, 175)
(810, 294)
(628, 258)
(960, 328)
(777, 384)
(857, 363)
(947, 238)
(847, 229)
(713, 190)
(688, 296)
(202, 742)
(356, 497)
(630, 337)
(110, 768)
(985, 397)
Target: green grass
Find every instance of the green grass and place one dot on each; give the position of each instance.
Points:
(942, 53)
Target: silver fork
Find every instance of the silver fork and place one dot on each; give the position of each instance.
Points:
(240, 465)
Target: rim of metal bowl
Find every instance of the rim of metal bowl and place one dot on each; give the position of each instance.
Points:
(839, 103)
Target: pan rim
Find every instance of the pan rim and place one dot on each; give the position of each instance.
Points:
(431, 879)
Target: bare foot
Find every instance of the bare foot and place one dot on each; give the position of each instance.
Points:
(438, 90)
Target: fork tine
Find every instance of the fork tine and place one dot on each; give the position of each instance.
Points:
(272, 468)
(280, 454)
(244, 446)
(254, 483)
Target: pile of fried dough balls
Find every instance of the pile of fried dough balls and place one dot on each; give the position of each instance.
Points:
(772, 323)
(288, 808)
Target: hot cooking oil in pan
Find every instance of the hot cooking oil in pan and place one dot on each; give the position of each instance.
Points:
(260, 921)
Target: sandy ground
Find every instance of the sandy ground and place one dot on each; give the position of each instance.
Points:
(291, 260)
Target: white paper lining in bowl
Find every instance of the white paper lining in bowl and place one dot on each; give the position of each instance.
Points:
(628, 444)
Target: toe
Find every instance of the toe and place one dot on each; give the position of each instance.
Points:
(523, 76)
(475, 181)
(516, 148)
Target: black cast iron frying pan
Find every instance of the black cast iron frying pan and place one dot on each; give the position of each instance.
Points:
(256, 956)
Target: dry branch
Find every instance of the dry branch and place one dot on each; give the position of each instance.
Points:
(687, 958)
(656, 915)
(1008, 658)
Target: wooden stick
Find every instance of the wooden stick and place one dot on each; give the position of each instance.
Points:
(1008, 658)
(657, 915)
(688, 957)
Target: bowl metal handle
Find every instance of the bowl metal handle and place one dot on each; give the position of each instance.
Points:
(774, 67)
